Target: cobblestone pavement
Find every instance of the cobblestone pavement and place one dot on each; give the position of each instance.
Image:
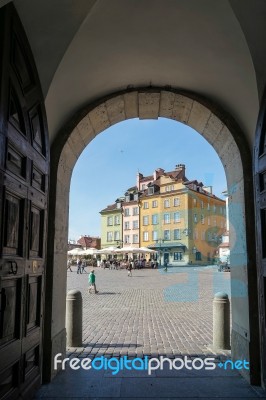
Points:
(151, 313)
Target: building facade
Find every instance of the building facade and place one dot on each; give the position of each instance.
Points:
(111, 225)
(182, 220)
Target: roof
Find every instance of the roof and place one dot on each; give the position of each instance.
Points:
(111, 207)
(86, 241)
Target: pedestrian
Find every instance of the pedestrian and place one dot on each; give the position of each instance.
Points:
(79, 266)
(83, 265)
(92, 284)
(69, 265)
(129, 268)
(165, 265)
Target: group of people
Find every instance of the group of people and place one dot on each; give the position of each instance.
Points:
(124, 264)
(81, 265)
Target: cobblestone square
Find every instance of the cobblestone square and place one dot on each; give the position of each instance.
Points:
(151, 313)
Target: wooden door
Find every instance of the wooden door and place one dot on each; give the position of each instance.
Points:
(23, 211)
(260, 187)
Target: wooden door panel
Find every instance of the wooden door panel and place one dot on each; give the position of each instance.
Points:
(10, 310)
(24, 168)
(9, 382)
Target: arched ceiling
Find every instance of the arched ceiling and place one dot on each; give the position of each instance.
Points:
(85, 49)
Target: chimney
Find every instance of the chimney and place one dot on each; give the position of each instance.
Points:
(158, 172)
(182, 170)
(139, 177)
(208, 189)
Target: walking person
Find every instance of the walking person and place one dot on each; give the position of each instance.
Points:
(69, 265)
(129, 268)
(165, 265)
(79, 266)
(83, 265)
(92, 284)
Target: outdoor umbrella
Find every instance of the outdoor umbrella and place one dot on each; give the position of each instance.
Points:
(90, 252)
(108, 250)
(146, 250)
(128, 249)
(75, 252)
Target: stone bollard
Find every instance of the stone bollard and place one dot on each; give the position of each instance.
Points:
(221, 321)
(74, 318)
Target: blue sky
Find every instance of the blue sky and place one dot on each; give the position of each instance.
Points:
(109, 164)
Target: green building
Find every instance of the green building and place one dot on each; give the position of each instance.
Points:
(111, 225)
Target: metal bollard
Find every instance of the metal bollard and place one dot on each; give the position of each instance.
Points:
(221, 321)
(74, 318)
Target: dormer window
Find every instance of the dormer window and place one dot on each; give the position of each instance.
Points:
(151, 190)
(136, 196)
(127, 198)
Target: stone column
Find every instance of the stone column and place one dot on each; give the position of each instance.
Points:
(221, 321)
(74, 318)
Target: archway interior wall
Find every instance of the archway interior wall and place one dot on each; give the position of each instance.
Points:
(151, 105)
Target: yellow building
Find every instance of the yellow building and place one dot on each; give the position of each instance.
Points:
(181, 219)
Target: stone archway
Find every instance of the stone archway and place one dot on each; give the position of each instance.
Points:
(228, 141)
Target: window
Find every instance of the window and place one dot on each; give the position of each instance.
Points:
(127, 225)
(214, 208)
(145, 236)
(117, 235)
(168, 188)
(154, 235)
(166, 219)
(117, 220)
(202, 219)
(127, 212)
(195, 218)
(136, 224)
(126, 239)
(154, 203)
(154, 219)
(166, 234)
(151, 190)
(145, 205)
(109, 236)
(166, 203)
(118, 204)
(135, 238)
(127, 198)
(136, 196)
(143, 186)
(177, 234)
(178, 256)
(221, 210)
(214, 222)
(195, 202)
(177, 217)
(195, 234)
(135, 211)
(198, 256)
(176, 202)
(208, 206)
(145, 220)
(109, 221)
(202, 204)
